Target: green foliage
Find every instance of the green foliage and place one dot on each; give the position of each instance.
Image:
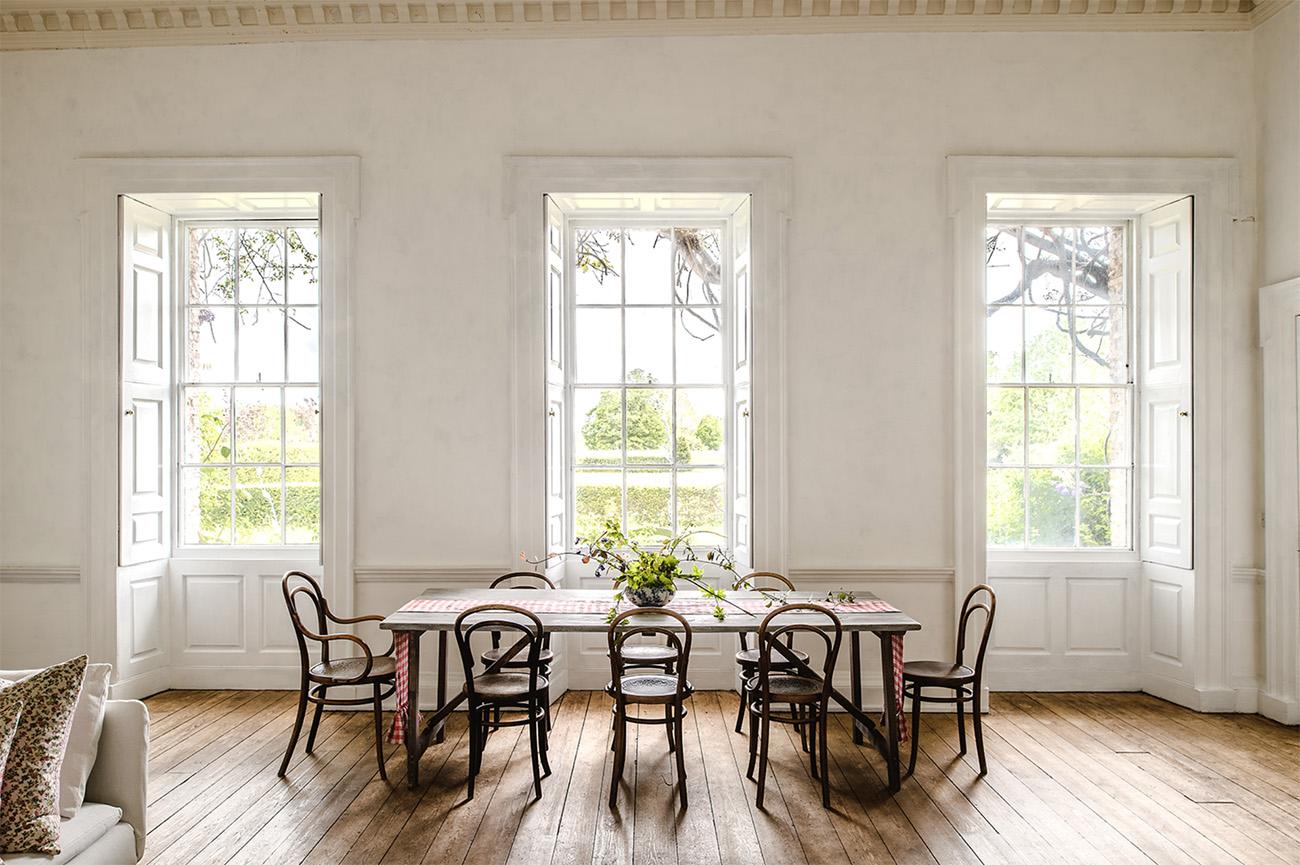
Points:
(709, 432)
(646, 506)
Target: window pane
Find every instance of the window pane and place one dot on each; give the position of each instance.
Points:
(701, 502)
(598, 260)
(304, 265)
(205, 504)
(1047, 344)
(649, 425)
(598, 345)
(598, 414)
(1004, 270)
(210, 349)
(698, 270)
(1099, 264)
(649, 345)
(1006, 507)
(206, 425)
(1103, 426)
(302, 505)
(648, 265)
(649, 503)
(261, 266)
(699, 426)
(1103, 508)
(699, 345)
(1101, 344)
(304, 344)
(302, 425)
(598, 496)
(257, 505)
(1005, 343)
(1047, 265)
(1006, 425)
(1051, 507)
(211, 271)
(261, 344)
(257, 425)
(1051, 425)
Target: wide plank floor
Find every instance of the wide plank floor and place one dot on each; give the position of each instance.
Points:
(1073, 779)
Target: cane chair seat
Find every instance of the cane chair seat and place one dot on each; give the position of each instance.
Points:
(354, 669)
(789, 689)
(937, 672)
(497, 687)
(648, 656)
(650, 688)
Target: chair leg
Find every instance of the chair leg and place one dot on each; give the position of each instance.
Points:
(620, 749)
(798, 711)
(669, 727)
(297, 728)
(753, 740)
(979, 732)
(534, 751)
(764, 737)
(809, 726)
(821, 741)
(681, 751)
(379, 732)
(961, 725)
(474, 745)
(315, 725)
(740, 713)
(916, 728)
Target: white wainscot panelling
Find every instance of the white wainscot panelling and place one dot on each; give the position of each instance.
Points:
(277, 629)
(1247, 648)
(1023, 622)
(148, 618)
(214, 612)
(1097, 616)
(1165, 603)
(42, 617)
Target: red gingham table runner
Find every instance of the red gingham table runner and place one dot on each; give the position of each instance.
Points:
(687, 607)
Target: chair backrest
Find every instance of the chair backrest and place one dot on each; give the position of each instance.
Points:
(310, 592)
(774, 635)
(500, 618)
(763, 581)
(522, 575)
(624, 627)
(968, 608)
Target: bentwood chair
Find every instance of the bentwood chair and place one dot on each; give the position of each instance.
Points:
(523, 580)
(961, 682)
(654, 689)
(747, 658)
(517, 691)
(370, 669)
(805, 691)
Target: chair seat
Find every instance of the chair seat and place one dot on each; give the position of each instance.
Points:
(648, 655)
(937, 672)
(749, 658)
(649, 688)
(351, 668)
(785, 689)
(500, 687)
(545, 656)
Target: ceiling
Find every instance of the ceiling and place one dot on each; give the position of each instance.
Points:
(42, 24)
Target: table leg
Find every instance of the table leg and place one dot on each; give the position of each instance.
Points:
(855, 672)
(891, 708)
(413, 743)
(442, 680)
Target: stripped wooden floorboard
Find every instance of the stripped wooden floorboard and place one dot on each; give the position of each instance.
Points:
(1074, 779)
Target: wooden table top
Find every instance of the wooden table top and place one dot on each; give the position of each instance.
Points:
(736, 621)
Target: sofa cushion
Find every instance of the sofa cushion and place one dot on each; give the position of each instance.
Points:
(92, 822)
(29, 800)
(10, 713)
(83, 741)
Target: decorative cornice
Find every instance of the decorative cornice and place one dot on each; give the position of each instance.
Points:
(32, 24)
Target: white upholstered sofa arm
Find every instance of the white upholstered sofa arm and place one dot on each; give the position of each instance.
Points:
(121, 773)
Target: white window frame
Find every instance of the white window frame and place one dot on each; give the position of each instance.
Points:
(1213, 183)
(336, 180)
(1130, 310)
(767, 181)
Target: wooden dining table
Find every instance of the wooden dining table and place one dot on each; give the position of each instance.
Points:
(585, 611)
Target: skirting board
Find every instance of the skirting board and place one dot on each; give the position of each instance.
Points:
(144, 685)
(1283, 711)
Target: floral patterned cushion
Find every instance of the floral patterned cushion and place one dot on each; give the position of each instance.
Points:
(10, 712)
(29, 800)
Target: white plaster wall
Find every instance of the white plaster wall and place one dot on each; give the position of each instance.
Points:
(1277, 105)
(867, 119)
